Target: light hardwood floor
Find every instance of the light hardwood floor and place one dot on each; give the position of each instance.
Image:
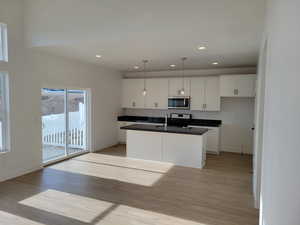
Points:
(108, 188)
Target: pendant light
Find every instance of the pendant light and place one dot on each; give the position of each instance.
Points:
(182, 91)
(145, 90)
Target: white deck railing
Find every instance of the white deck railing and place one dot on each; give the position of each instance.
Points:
(76, 138)
(54, 129)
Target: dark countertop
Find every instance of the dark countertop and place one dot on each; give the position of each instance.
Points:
(168, 129)
(192, 122)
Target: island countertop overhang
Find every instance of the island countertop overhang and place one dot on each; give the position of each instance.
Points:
(168, 129)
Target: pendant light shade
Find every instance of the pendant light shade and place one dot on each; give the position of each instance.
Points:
(144, 92)
(145, 89)
(182, 91)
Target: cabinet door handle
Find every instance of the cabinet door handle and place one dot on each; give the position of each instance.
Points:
(156, 104)
(236, 91)
(133, 104)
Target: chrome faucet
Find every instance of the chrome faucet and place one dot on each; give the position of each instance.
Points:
(166, 121)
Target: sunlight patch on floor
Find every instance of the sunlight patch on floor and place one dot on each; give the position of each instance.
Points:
(11, 219)
(126, 215)
(68, 205)
(114, 172)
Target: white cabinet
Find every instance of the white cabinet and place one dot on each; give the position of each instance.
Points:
(144, 145)
(205, 93)
(178, 149)
(176, 84)
(184, 150)
(212, 140)
(122, 133)
(213, 135)
(238, 85)
(132, 95)
(157, 94)
(212, 94)
(197, 94)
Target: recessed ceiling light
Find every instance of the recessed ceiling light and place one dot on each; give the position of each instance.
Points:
(98, 56)
(215, 63)
(201, 48)
(136, 67)
(172, 65)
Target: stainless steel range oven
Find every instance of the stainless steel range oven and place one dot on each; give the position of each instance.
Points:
(179, 102)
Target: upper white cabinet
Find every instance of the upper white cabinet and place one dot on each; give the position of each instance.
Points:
(212, 94)
(157, 94)
(238, 85)
(205, 94)
(197, 93)
(132, 95)
(175, 86)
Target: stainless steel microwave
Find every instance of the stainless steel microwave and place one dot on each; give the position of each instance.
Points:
(179, 102)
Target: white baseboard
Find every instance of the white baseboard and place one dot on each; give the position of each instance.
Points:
(110, 146)
(20, 173)
(212, 152)
(236, 149)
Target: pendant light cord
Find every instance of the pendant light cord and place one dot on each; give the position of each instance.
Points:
(183, 67)
(145, 62)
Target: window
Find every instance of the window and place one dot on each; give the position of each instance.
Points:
(3, 42)
(4, 128)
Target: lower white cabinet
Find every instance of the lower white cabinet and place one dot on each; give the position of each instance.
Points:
(179, 149)
(122, 133)
(213, 139)
(144, 145)
(184, 150)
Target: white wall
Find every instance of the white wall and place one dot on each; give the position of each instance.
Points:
(259, 124)
(28, 72)
(237, 115)
(280, 200)
(105, 86)
(25, 144)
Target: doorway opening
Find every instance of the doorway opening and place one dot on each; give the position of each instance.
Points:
(64, 123)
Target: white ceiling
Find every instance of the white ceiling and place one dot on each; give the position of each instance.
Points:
(127, 31)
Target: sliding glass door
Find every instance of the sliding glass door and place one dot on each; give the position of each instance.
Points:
(76, 108)
(53, 124)
(64, 123)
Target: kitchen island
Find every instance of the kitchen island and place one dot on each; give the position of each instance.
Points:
(177, 145)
